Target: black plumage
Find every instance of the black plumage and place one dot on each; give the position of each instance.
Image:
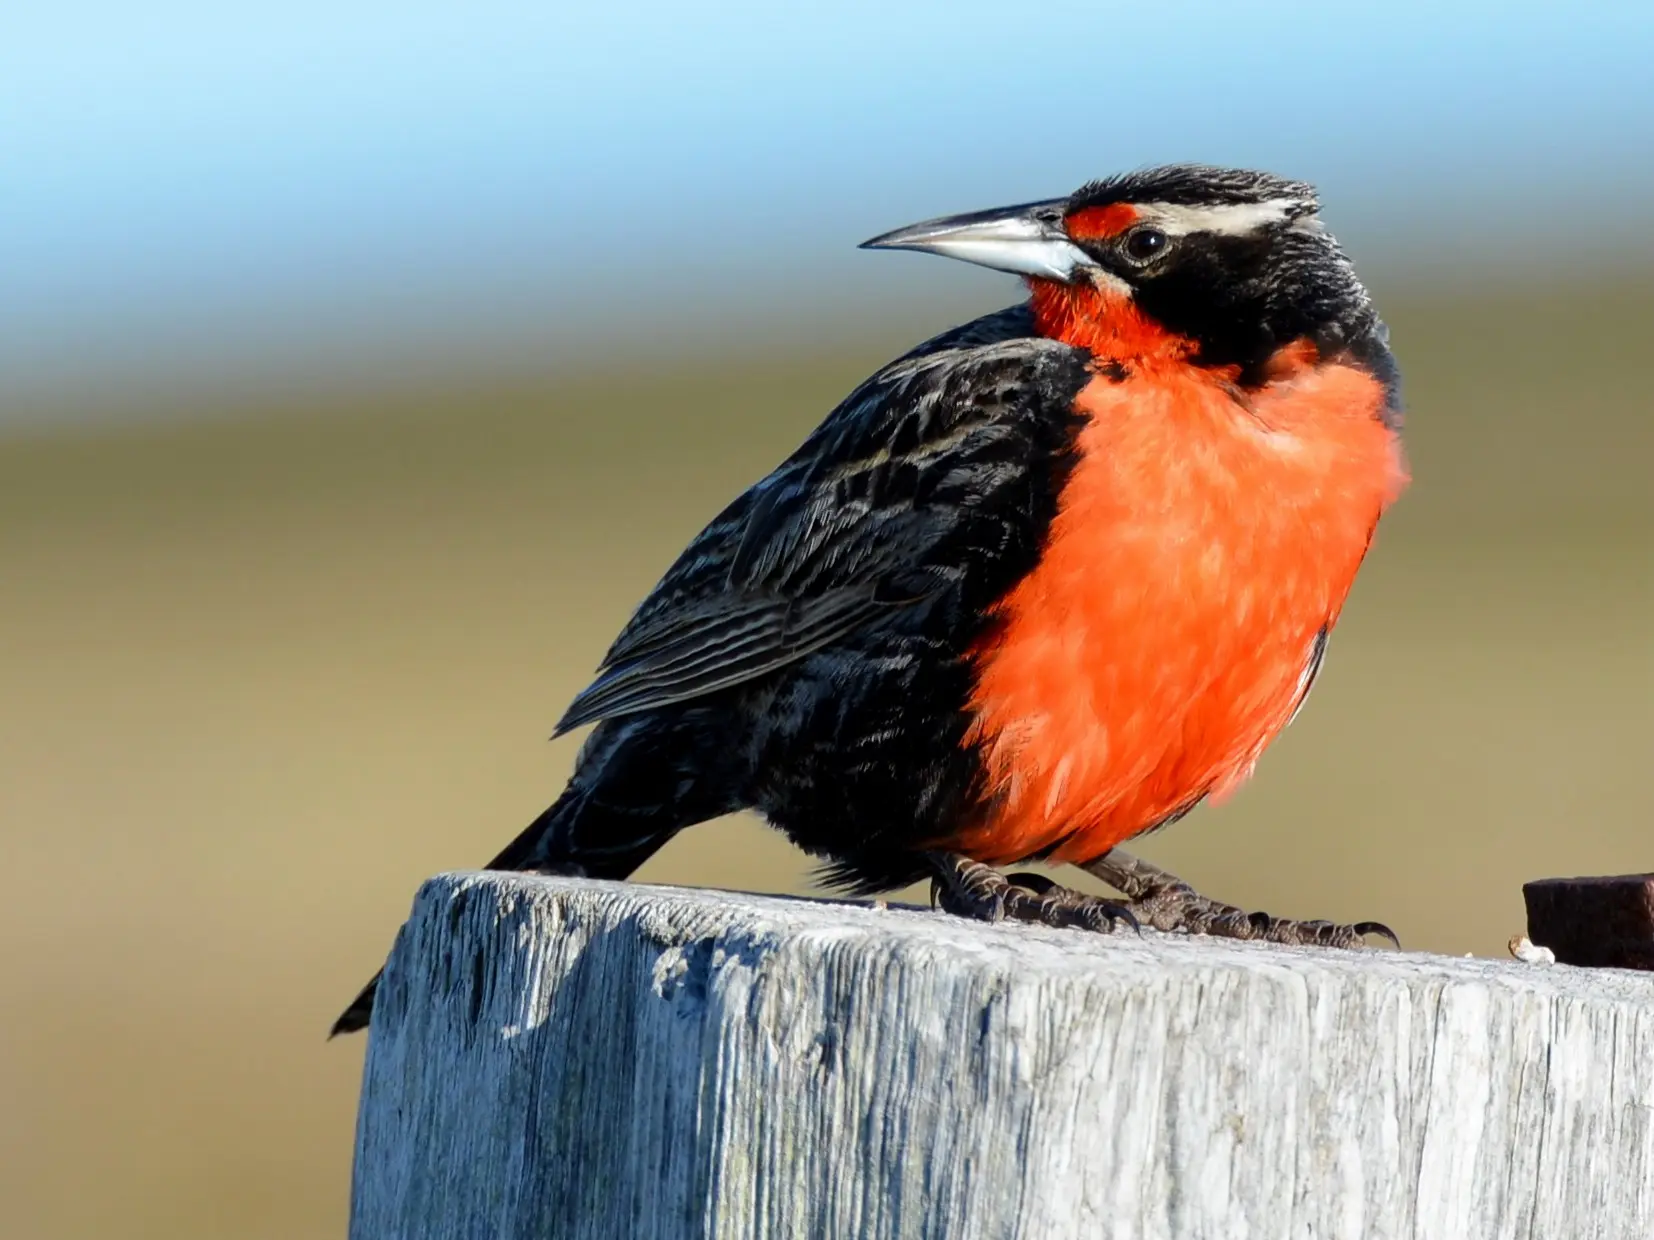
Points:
(806, 656)
(822, 621)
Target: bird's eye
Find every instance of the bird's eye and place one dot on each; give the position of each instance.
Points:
(1144, 245)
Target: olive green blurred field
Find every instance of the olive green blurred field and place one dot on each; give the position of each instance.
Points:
(263, 675)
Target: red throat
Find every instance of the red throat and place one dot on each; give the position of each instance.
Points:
(1103, 321)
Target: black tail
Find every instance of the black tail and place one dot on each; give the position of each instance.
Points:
(638, 785)
(360, 1011)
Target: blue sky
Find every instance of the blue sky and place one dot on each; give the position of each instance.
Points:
(191, 188)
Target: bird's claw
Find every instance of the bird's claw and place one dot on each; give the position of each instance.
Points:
(1180, 907)
(1164, 901)
(970, 889)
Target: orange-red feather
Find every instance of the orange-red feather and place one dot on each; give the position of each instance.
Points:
(1204, 538)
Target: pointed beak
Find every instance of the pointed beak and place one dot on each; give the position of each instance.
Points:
(1026, 240)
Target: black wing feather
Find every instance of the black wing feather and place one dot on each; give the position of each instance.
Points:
(755, 636)
(835, 540)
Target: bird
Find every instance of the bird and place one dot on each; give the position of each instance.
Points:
(1044, 583)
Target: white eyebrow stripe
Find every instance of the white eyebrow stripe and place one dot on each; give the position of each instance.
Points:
(1234, 219)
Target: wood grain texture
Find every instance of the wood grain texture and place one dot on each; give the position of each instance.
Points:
(553, 1058)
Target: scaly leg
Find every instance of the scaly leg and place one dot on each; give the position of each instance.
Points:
(970, 889)
(1166, 902)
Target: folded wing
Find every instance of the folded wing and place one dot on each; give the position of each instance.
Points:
(870, 519)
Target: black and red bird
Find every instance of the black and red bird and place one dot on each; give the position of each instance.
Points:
(1044, 583)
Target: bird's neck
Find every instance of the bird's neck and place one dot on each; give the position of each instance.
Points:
(1106, 323)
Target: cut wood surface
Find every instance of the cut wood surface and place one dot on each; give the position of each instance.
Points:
(557, 1058)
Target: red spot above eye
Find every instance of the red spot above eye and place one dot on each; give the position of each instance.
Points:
(1094, 223)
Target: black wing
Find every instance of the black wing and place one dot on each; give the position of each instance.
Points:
(919, 474)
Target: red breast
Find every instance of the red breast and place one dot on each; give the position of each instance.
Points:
(1204, 538)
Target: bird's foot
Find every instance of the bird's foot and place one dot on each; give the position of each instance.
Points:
(1164, 901)
(970, 889)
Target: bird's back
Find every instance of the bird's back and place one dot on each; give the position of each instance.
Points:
(927, 488)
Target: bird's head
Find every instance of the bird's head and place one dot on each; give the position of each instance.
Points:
(1217, 266)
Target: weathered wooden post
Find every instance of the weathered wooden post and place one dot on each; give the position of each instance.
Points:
(572, 1059)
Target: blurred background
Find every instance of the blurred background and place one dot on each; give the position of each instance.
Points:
(362, 365)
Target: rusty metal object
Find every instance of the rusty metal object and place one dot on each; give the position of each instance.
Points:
(1604, 923)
